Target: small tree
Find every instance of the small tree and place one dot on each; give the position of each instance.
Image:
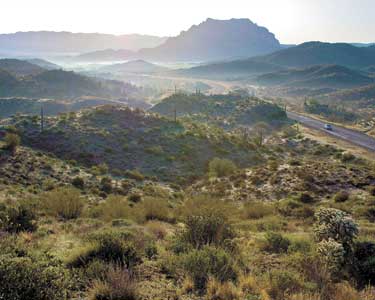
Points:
(12, 141)
(260, 129)
(221, 167)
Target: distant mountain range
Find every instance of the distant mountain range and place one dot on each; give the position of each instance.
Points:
(319, 76)
(215, 40)
(49, 42)
(209, 41)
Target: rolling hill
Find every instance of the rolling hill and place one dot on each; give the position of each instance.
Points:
(318, 53)
(226, 111)
(228, 70)
(59, 84)
(47, 65)
(320, 76)
(364, 93)
(126, 139)
(20, 68)
(215, 40)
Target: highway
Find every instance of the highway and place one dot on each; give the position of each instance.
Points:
(349, 135)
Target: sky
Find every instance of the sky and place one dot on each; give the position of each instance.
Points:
(292, 21)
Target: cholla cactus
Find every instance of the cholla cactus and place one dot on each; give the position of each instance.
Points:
(332, 253)
(335, 224)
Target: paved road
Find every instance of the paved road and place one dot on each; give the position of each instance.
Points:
(351, 136)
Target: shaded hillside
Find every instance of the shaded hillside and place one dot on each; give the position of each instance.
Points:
(229, 70)
(47, 65)
(136, 66)
(60, 84)
(326, 76)
(13, 106)
(105, 55)
(215, 39)
(20, 68)
(318, 53)
(363, 93)
(126, 140)
(226, 111)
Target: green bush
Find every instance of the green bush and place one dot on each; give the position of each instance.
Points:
(156, 209)
(221, 167)
(110, 247)
(17, 218)
(283, 282)
(200, 264)
(341, 196)
(208, 228)
(276, 243)
(78, 182)
(12, 141)
(118, 284)
(257, 210)
(65, 203)
(306, 198)
(23, 278)
(364, 263)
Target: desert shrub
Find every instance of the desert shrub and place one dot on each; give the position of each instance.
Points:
(282, 283)
(78, 182)
(118, 284)
(371, 190)
(222, 291)
(24, 278)
(135, 174)
(335, 224)
(364, 263)
(370, 214)
(65, 203)
(151, 251)
(289, 207)
(341, 196)
(347, 157)
(135, 197)
(200, 264)
(157, 229)
(257, 210)
(109, 247)
(221, 167)
(306, 198)
(106, 185)
(114, 207)
(12, 141)
(300, 244)
(17, 218)
(276, 243)
(332, 254)
(156, 209)
(208, 228)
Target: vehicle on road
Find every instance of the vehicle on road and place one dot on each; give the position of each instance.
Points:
(328, 127)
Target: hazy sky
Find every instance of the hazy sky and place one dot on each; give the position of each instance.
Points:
(292, 21)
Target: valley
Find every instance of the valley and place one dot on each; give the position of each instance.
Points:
(214, 164)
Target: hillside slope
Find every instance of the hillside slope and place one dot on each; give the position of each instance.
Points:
(318, 53)
(321, 76)
(20, 68)
(125, 139)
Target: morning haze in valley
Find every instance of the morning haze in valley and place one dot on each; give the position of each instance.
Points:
(187, 150)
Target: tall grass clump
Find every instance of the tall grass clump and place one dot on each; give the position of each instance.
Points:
(65, 203)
